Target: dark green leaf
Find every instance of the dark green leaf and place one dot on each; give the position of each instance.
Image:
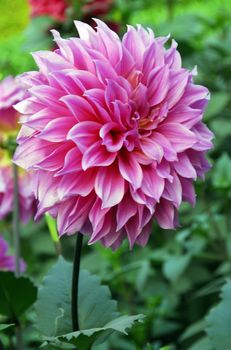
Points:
(5, 326)
(85, 339)
(219, 321)
(16, 294)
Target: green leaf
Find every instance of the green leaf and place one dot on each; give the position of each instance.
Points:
(96, 307)
(5, 326)
(221, 132)
(222, 172)
(98, 316)
(16, 294)
(219, 321)
(53, 304)
(175, 266)
(193, 330)
(218, 102)
(84, 339)
(202, 344)
(36, 37)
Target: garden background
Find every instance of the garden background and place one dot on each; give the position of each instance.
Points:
(181, 279)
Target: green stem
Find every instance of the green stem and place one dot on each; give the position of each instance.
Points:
(16, 222)
(75, 282)
(18, 334)
(170, 9)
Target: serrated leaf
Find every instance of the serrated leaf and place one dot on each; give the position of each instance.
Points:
(16, 294)
(5, 326)
(96, 307)
(85, 339)
(218, 321)
(98, 316)
(53, 301)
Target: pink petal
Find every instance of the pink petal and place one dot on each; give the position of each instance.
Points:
(85, 134)
(109, 186)
(97, 155)
(152, 184)
(179, 136)
(80, 108)
(130, 169)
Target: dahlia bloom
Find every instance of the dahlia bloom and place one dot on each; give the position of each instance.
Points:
(52, 8)
(26, 196)
(7, 262)
(11, 92)
(113, 133)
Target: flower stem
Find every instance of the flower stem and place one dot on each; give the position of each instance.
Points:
(16, 222)
(75, 282)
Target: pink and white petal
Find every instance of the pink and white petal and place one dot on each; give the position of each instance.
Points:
(80, 183)
(97, 216)
(85, 134)
(54, 161)
(80, 108)
(158, 85)
(109, 186)
(97, 155)
(188, 191)
(152, 149)
(152, 184)
(179, 136)
(165, 214)
(32, 151)
(105, 71)
(143, 237)
(56, 130)
(173, 191)
(49, 61)
(184, 167)
(125, 210)
(130, 169)
(72, 162)
(178, 82)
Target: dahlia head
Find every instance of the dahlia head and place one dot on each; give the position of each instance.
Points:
(26, 196)
(11, 92)
(112, 131)
(52, 8)
(8, 262)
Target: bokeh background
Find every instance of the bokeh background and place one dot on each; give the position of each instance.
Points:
(177, 279)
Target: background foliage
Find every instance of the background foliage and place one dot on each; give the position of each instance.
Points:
(181, 280)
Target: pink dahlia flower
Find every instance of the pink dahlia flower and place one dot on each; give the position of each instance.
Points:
(52, 8)
(7, 262)
(113, 133)
(26, 196)
(11, 92)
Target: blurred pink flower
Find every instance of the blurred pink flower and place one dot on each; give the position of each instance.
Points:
(96, 7)
(11, 92)
(52, 8)
(112, 131)
(7, 262)
(26, 196)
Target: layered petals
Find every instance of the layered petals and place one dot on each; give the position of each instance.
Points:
(113, 134)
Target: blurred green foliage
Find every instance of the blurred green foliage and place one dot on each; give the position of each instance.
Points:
(177, 279)
(14, 17)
